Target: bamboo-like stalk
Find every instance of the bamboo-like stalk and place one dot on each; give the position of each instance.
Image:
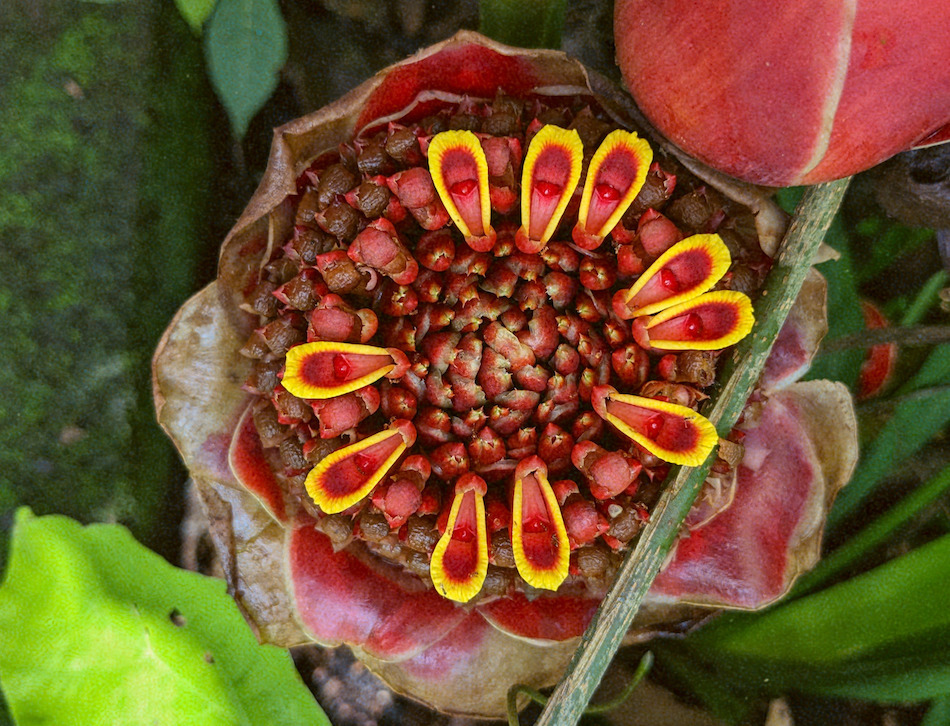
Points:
(605, 633)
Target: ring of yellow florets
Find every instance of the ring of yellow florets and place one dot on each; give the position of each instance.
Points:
(477, 402)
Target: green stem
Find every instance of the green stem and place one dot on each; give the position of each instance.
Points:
(524, 23)
(918, 335)
(646, 662)
(928, 295)
(641, 565)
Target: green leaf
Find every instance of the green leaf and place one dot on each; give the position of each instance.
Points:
(914, 422)
(100, 630)
(195, 12)
(884, 635)
(877, 534)
(939, 713)
(246, 46)
(884, 241)
(523, 23)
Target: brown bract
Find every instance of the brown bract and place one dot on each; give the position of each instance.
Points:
(753, 532)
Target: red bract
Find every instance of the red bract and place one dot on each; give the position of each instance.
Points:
(427, 405)
(799, 92)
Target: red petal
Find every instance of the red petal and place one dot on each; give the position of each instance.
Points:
(840, 88)
(251, 468)
(798, 340)
(460, 559)
(879, 363)
(552, 169)
(711, 321)
(326, 369)
(349, 474)
(458, 66)
(471, 669)
(460, 174)
(343, 598)
(614, 178)
(538, 536)
(689, 268)
(747, 555)
(674, 433)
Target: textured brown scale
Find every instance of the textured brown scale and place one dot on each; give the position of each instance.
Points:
(372, 199)
(502, 349)
(334, 180)
(280, 335)
(262, 301)
(340, 220)
(403, 146)
(374, 160)
(308, 242)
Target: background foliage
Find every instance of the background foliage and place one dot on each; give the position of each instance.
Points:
(131, 134)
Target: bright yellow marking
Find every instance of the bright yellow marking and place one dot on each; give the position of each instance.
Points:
(720, 260)
(334, 504)
(618, 139)
(745, 319)
(467, 141)
(571, 142)
(546, 579)
(465, 590)
(293, 380)
(694, 457)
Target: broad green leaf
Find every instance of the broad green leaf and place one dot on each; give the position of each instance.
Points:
(246, 46)
(195, 12)
(725, 700)
(884, 635)
(877, 534)
(914, 423)
(926, 298)
(100, 630)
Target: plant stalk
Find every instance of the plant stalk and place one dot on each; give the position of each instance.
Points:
(641, 565)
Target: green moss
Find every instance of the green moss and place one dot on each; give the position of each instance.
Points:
(103, 163)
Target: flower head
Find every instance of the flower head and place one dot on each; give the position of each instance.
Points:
(454, 347)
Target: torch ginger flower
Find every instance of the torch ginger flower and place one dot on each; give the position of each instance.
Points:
(432, 433)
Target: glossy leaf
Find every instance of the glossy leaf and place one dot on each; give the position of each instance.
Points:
(246, 46)
(142, 642)
(882, 635)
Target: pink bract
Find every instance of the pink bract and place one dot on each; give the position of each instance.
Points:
(809, 91)
(748, 539)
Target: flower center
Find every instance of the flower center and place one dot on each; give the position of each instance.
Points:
(480, 365)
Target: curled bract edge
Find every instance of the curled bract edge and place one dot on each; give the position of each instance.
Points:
(295, 588)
